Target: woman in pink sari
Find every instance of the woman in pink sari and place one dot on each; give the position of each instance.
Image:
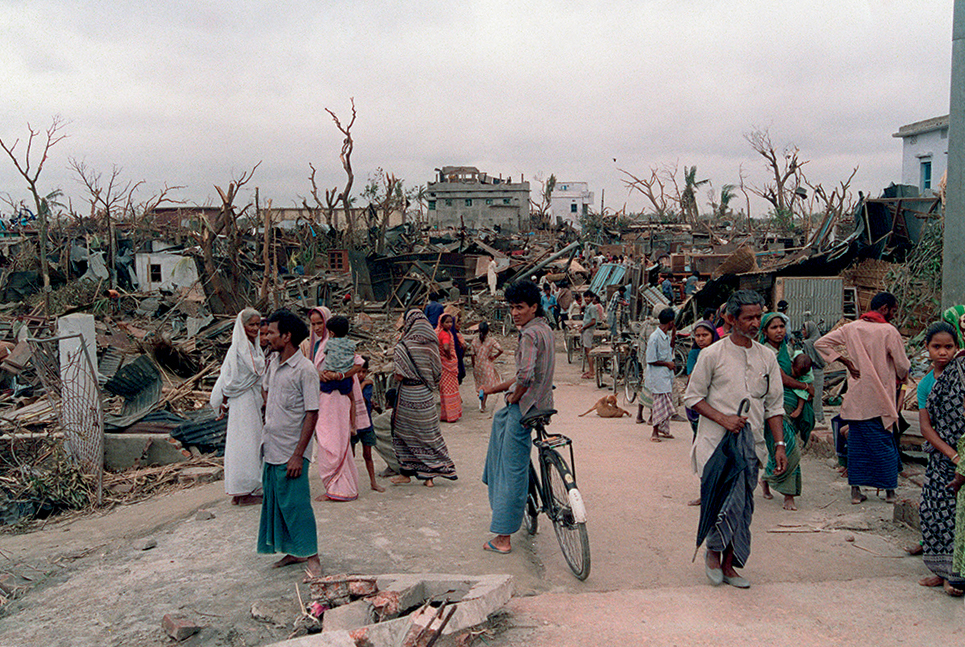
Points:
(336, 465)
(451, 409)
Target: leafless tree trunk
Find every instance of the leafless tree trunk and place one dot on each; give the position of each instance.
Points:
(656, 189)
(346, 157)
(785, 170)
(31, 173)
(223, 299)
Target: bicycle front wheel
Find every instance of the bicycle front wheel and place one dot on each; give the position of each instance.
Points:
(566, 511)
(632, 379)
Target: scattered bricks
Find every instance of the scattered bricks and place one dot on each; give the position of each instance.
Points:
(349, 616)
(386, 604)
(361, 637)
(146, 543)
(361, 588)
(906, 512)
(204, 515)
(179, 627)
(196, 475)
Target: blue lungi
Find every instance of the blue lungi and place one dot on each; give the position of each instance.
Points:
(507, 470)
(873, 459)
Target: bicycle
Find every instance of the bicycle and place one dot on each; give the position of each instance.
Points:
(553, 491)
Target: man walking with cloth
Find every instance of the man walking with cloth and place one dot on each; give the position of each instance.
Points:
(291, 412)
(877, 366)
(727, 372)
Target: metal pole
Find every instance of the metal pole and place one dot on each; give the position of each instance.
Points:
(953, 279)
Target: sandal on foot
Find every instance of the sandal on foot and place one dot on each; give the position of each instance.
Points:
(493, 549)
(952, 590)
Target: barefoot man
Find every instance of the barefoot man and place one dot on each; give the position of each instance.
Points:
(507, 461)
(874, 355)
(659, 375)
(291, 411)
(726, 373)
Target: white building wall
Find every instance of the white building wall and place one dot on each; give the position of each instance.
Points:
(924, 143)
(568, 195)
(176, 271)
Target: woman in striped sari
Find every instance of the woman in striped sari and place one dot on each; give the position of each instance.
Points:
(416, 437)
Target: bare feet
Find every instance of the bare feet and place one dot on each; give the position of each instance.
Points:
(915, 549)
(789, 502)
(288, 560)
(654, 439)
(664, 435)
(377, 487)
(890, 496)
(857, 497)
(313, 568)
(250, 499)
(931, 580)
(429, 483)
(323, 497)
(694, 502)
(235, 500)
(400, 480)
(766, 490)
(952, 591)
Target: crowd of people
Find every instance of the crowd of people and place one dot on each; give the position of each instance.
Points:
(293, 392)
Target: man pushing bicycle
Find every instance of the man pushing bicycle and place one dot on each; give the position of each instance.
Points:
(506, 473)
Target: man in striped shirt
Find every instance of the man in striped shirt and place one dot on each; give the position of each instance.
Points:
(506, 473)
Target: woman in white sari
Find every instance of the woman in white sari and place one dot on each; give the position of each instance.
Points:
(238, 393)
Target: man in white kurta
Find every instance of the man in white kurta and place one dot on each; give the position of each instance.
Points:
(724, 375)
(728, 372)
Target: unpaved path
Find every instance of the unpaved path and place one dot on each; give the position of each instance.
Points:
(93, 587)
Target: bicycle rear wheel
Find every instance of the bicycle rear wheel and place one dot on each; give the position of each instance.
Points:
(632, 378)
(566, 511)
(531, 515)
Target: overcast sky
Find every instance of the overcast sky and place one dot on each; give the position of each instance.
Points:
(193, 93)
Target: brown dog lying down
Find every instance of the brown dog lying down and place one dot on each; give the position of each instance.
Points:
(606, 407)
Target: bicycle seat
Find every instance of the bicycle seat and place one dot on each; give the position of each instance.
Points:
(537, 417)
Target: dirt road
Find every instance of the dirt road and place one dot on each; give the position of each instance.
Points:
(92, 586)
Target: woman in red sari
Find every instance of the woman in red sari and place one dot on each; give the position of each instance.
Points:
(449, 384)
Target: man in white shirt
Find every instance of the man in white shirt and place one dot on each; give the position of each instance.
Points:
(659, 375)
(727, 372)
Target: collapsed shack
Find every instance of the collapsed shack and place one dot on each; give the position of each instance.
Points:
(895, 246)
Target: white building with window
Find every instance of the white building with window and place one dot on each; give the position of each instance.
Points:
(569, 201)
(924, 152)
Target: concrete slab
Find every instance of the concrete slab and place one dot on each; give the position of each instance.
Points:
(123, 451)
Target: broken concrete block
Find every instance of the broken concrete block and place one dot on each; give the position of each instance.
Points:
(906, 512)
(196, 475)
(349, 616)
(204, 515)
(360, 588)
(147, 543)
(123, 451)
(179, 627)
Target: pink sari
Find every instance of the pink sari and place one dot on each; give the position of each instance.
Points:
(336, 465)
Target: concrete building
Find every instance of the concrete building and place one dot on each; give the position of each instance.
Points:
(924, 152)
(462, 195)
(569, 201)
(170, 270)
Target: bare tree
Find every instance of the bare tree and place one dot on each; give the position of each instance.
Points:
(657, 189)
(346, 157)
(833, 206)
(786, 176)
(540, 211)
(747, 197)
(224, 299)
(30, 169)
(107, 198)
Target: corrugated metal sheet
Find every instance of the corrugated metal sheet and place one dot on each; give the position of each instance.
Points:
(205, 433)
(608, 274)
(822, 296)
(139, 383)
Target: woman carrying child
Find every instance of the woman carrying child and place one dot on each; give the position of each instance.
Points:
(788, 482)
(338, 415)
